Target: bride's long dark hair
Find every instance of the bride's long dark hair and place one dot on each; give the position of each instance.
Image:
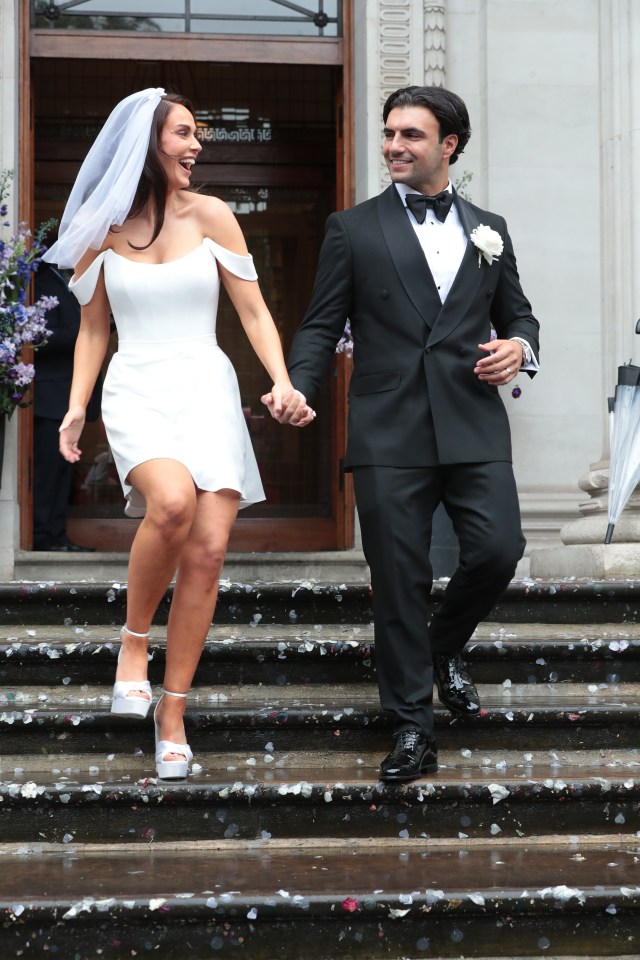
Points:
(153, 180)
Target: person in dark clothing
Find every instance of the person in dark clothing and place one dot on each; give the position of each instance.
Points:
(52, 474)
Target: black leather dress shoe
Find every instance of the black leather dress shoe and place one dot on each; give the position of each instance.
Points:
(412, 755)
(456, 689)
(67, 546)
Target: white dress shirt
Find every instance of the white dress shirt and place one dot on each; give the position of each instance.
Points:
(443, 245)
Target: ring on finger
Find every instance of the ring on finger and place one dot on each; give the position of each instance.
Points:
(508, 371)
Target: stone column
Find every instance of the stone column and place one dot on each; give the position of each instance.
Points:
(397, 43)
(583, 553)
(9, 119)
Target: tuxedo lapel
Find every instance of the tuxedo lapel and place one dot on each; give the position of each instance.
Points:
(407, 255)
(466, 282)
(467, 214)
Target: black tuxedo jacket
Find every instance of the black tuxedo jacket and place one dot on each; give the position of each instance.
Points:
(414, 399)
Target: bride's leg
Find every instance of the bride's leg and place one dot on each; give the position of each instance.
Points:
(168, 488)
(193, 603)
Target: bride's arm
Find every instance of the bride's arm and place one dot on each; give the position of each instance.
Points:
(89, 354)
(287, 405)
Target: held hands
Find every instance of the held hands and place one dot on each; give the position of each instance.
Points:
(70, 430)
(502, 364)
(287, 405)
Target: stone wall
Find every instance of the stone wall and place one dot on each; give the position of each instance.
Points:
(9, 73)
(529, 73)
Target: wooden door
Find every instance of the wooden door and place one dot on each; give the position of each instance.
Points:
(274, 148)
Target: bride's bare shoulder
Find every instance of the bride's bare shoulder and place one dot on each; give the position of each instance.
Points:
(218, 222)
(205, 205)
(87, 259)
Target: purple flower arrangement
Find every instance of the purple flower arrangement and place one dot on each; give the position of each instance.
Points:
(20, 325)
(345, 343)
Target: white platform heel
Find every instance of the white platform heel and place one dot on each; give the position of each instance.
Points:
(171, 769)
(123, 702)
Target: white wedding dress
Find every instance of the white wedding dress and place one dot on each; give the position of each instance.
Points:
(170, 391)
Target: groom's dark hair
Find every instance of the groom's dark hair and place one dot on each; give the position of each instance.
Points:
(447, 107)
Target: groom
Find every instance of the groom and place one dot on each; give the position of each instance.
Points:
(423, 276)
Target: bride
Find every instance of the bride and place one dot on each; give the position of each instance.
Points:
(153, 253)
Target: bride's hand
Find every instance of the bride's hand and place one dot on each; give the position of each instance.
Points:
(70, 430)
(288, 406)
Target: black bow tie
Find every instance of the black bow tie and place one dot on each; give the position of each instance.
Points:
(441, 205)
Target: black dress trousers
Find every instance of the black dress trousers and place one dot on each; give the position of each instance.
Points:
(395, 508)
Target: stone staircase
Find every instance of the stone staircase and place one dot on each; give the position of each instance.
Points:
(282, 843)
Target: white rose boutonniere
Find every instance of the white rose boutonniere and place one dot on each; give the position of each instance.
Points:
(488, 242)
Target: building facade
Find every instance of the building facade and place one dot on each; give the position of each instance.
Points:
(290, 121)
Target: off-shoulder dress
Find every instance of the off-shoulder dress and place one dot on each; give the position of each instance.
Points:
(170, 391)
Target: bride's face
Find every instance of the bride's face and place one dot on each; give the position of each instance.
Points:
(179, 147)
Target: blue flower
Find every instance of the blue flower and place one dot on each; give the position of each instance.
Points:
(21, 324)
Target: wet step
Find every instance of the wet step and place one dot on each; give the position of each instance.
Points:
(292, 718)
(254, 799)
(322, 653)
(309, 601)
(339, 901)
(83, 602)
(488, 630)
(525, 842)
(30, 766)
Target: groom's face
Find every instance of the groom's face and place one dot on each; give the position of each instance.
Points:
(413, 151)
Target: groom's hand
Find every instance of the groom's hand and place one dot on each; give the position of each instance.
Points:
(288, 406)
(502, 363)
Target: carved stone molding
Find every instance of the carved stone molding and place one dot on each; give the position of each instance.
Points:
(435, 46)
(401, 49)
(395, 39)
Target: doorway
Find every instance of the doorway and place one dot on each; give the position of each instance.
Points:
(272, 150)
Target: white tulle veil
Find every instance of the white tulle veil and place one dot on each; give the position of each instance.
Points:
(108, 179)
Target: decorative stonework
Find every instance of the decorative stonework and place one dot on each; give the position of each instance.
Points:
(434, 44)
(399, 54)
(394, 17)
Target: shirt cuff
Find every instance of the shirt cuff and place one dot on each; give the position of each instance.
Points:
(533, 363)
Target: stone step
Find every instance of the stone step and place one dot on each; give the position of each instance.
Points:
(325, 565)
(309, 601)
(291, 797)
(86, 766)
(67, 696)
(525, 843)
(488, 631)
(322, 653)
(327, 901)
(521, 717)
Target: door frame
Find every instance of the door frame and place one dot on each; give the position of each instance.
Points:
(250, 534)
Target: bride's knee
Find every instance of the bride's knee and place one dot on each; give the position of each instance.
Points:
(205, 558)
(172, 512)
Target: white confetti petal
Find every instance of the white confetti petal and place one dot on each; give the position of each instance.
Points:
(562, 892)
(498, 792)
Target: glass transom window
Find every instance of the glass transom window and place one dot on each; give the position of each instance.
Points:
(306, 18)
